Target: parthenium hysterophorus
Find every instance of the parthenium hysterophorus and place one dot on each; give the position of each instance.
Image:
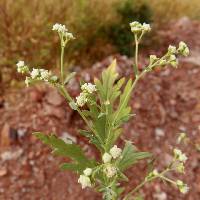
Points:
(104, 106)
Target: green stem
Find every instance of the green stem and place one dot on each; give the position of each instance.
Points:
(138, 187)
(69, 99)
(61, 62)
(135, 66)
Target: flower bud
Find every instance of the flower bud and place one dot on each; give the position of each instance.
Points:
(183, 49)
(87, 171)
(180, 156)
(110, 171)
(115, 151)
(106, 157)
(182, 186)
(172, 49)
(84, 181)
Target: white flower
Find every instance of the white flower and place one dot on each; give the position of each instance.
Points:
(183, 49)
(180, 156)
(110, 171)
(35, 73)
(106, 157)
(59, 28)
(181, 138)
(146, 27)
(45, 74)
(81, 99)
(88, 87)
(63, 30)
(137, 27)
(172, 49)
(69, 36)
(180, 167)
(20, 63)
(182, 186)
(155, 172)
(115, 151)
(173, 60)
(87, 171)
(21, 67)
(84, 181)
(153, 58)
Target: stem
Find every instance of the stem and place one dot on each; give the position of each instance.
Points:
(69, 99)
(61, 62)
(138, 187)
(135, 66)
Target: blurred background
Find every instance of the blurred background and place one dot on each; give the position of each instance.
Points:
(166, 102)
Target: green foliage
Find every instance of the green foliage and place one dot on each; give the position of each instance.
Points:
(72, 151)
(131, 156)
(104, 107)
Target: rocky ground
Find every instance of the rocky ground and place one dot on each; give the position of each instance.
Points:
(166, 102)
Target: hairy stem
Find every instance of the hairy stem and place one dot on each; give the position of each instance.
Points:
(61, 62)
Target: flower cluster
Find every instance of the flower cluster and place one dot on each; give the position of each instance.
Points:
(87, 89)
(110, 170)
(21, 67)
(137, 27)
(180, 156)
(183, 49)
(182, 186)
(63, 31)
(36, 74)
(84, 179)
(114, 153)
(171, 56)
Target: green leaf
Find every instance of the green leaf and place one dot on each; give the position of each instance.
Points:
(72, 167)
(61, 148)
(92, 138)
(131, 156)
(69, 77)
(123, 109)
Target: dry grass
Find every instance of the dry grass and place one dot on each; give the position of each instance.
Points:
(25, 28)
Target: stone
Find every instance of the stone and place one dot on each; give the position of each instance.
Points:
(5, 136)
(54, 98)
(35, 95)
(159, 133)
(11, 155)
(3, 171)
(54, 111)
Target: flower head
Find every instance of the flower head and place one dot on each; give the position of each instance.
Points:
(81, 99)
(61, 29)
(183, 49)
(180, 167)
(137, 27)
(87, 171)
(84, 181)
(172, 49)
(115, 151)
(44, 74)
(106, 157)
(153, 58)
(21, 67)
(173, 60)
(180, 156)
(182, 186)
(88, 87)
(110, 171)
(35, 73)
